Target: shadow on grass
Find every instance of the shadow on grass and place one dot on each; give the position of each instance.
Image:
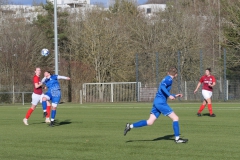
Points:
(167, 137)
(57, 122)
(60, 123)
(206, 114)
(37, 123)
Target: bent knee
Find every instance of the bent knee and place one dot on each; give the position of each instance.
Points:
(176, 118)
(149, 122)
(33, 107)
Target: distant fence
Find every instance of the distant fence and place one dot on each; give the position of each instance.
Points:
(136, 92)
(15, 97)
(21, 94)
(187, 89)
(110, 92)
(191, 65)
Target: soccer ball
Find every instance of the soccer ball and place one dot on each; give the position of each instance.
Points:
(45, 52)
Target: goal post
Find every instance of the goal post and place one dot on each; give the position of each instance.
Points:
(110, 92)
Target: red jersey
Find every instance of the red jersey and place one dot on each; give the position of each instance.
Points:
(36, 79)
(207, 80)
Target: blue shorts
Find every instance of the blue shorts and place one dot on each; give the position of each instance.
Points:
(159, 108)
(55, 96)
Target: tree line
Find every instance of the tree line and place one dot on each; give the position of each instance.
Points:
(99, 45)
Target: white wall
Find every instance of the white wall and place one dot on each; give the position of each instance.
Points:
(153, 7)
(62, 2)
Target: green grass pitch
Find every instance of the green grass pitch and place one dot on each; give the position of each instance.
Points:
(95, 131)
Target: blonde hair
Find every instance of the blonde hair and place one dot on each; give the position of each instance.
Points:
(172, 71)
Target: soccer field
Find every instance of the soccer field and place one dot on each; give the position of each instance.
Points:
(95, 131)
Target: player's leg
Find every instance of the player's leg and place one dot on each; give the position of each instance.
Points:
(140, 123)
(166, 110)
(205, 96)
(55, 101)
(28, 114)
(155, 113)
(201, 108)
(47, 120)
(35, 100)
(44, 106)
(176, 128)
(46, 97)
(53, 113)
(143, 123)
(209, 101)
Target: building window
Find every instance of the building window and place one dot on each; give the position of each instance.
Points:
(149, 10)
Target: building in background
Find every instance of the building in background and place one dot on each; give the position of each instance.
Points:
(29, 13)
(151, 9)
(71, 3)
(20, 12)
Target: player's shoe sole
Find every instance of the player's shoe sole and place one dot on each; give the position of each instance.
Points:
(127, 129)
(180, 140)
(25, 121)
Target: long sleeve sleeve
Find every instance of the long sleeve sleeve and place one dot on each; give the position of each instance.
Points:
(43, 80)
(164, 89)
(62, 77)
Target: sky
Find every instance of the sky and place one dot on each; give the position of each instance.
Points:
(29, 2)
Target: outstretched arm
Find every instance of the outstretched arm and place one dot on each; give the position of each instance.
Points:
(199, 83)
(63, 77)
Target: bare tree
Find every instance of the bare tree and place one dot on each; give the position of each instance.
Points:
(100, 46)
(103, 43)
(21, 44)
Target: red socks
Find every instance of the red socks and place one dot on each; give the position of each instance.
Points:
(210, 109)
(29, 112)
(48, 111)
(201, 108)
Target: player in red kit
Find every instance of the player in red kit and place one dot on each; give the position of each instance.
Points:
(208, 82)
(36, 96)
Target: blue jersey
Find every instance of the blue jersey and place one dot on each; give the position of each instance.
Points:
(164, 90)
(52, 83)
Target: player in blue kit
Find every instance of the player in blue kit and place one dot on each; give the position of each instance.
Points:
(160, 106)
(53, 93)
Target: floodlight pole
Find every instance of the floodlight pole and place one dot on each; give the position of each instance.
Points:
(55, 37)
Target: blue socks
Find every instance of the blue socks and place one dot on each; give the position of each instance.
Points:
(44, 106)
(53, 114)
(141, 123)
(176, 128)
